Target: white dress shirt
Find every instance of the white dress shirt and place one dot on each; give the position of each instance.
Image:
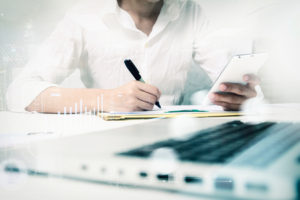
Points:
(97, 36)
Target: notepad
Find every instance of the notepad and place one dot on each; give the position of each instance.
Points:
(170, 112)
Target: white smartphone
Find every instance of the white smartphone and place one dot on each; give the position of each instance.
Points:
(235, 69)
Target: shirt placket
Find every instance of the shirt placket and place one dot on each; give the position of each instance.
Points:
(161, 23)
(145, 65)
(159, 26)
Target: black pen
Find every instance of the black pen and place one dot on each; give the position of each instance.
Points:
(136, 74)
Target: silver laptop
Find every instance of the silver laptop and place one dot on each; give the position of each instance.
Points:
(218, 158)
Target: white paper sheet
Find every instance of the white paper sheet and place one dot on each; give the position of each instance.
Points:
(166, 109)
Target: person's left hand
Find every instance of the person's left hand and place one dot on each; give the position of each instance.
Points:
(233, 95)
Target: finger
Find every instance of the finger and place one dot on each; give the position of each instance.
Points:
(144, 105)
(251, 79)
(237, 88)
(149, 89)
(228, 106)
(228, 98)
(146, 97)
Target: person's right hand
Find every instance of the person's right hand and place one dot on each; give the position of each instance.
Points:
(133, 96)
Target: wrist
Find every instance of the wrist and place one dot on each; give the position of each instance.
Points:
(100, 99)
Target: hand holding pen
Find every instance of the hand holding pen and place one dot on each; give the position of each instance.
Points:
(133, 96)
(136, 74)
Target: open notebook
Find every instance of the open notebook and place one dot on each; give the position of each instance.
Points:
(171, 111)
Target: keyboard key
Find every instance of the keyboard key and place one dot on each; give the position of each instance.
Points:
(213, 145)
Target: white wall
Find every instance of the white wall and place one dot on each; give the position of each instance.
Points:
(275, 26)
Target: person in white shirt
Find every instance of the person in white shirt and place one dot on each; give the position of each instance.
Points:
(162, 37)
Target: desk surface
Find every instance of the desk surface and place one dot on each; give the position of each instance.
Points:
(36, 188)
(18, 125)
(68, 125)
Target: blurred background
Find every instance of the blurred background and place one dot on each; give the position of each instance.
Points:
(275, 25)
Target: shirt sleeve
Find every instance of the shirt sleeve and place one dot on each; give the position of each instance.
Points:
(56, 59)
(213, 48)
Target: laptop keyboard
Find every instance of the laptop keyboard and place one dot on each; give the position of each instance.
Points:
(213, 145)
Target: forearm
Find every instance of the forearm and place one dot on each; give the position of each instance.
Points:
(69, 100)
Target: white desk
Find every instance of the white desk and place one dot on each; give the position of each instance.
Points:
(15, 130)
(37, 188)
(17, 125)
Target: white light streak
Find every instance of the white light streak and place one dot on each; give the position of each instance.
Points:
(80, 108)
(75, 109)
(55, 95)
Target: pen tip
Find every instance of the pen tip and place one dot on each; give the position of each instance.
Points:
(157, 104)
